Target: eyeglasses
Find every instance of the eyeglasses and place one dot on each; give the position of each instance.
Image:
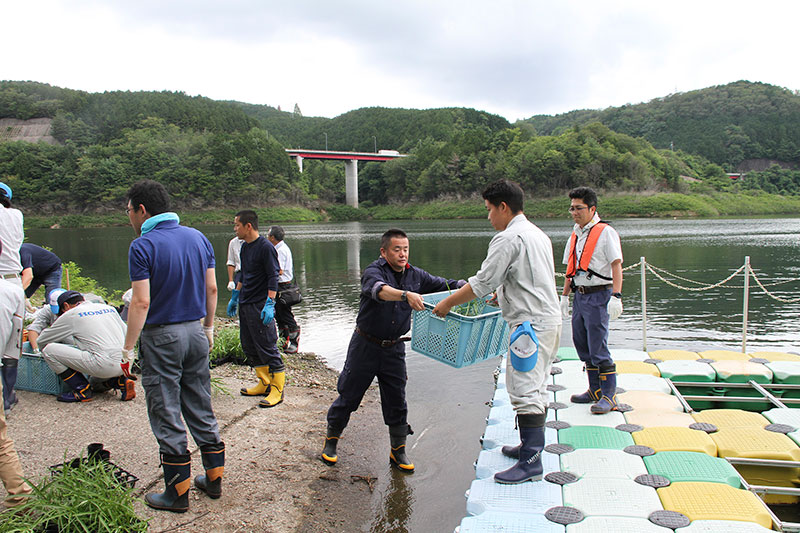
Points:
(128, 210)
(577, 208)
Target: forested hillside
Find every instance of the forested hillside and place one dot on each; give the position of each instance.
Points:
(214, 154)
(727, 124)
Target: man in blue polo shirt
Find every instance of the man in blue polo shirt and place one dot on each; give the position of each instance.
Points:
(172, 307)
(390, 289)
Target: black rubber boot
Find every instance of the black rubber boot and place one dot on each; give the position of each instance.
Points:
(328, 455)
(608, 385)
(529, 465)
(513, 451)
(397, 455)
(9, 377)
(214, 462)
(293, 342)
(593, 394)
(81, 390)
(177, 479)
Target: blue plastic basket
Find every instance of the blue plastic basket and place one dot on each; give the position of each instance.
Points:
(34, 375)
(458, 340)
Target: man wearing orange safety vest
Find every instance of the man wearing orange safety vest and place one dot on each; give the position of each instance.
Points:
(593, 256)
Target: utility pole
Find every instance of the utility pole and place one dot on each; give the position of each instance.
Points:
(375, 142)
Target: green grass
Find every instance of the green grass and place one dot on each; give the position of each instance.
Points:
(85, 497)
(227, 347)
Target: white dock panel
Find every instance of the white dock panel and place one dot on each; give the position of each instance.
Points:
(615, 524)
(606, 464)
(580, 414)
(534, 497)
(645, 382)
(505, 433)
(624, 354)
(494, 522)
(611, 497)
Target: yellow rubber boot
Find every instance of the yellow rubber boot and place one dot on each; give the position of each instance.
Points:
(262, 387)
(275, 396)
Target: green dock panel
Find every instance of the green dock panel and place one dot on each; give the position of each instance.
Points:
(595, 437)
(786, 372)
(692, 466)
(693, 372)
(742, 372)
(568, 353)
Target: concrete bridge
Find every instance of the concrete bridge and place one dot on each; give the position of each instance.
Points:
(350, 159)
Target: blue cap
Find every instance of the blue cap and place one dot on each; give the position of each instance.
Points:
(6, 188)
(523, 348)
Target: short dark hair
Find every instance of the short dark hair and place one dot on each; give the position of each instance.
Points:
(505, 191)
(248, 216)
(5, 201)
(151, 194)
(277, 233)
(587, 195)
(394, 233)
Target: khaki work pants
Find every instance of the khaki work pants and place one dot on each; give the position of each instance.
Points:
(10, 469)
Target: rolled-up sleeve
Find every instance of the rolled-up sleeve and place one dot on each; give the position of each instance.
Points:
(493, 269)
(371, 283)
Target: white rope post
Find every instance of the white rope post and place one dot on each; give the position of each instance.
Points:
(644, 304)
(746, 301)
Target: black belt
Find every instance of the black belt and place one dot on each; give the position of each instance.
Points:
(380, 342)
(588, 289)
(154, 326)
(284, 284)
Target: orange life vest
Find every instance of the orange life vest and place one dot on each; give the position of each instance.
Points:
(575, 265)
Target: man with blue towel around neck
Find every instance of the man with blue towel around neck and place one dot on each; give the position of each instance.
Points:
(519, 266)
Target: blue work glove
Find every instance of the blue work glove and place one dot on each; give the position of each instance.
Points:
(268, 313)
(233, 305)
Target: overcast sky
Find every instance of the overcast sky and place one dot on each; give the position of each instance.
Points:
(516, 58)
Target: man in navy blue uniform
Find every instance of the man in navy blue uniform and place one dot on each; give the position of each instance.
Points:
(256, 303)
(39, 267)
(390, 289)
(172, 307)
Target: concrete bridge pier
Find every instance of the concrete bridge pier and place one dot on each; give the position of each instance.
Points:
(351, 182)
(299, 160)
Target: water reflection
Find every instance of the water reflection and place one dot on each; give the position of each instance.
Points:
(397, 504)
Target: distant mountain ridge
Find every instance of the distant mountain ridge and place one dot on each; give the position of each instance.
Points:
(727, 124)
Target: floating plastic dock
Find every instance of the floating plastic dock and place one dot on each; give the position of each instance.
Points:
(678, 456)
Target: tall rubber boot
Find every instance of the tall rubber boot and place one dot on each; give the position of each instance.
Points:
(513, 451)
(81, 390)
(9, 377)
(127, 388)
(529, 466)
(608, 386)
(397, 455)
(593, 394)
(214, 462)
(328, 455)
(293, 342)
(177, 472)
(277, 380)
(262, 387)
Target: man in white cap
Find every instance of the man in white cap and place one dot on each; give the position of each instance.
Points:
(84, 339)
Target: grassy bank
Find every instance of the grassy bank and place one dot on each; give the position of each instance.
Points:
(616, 205)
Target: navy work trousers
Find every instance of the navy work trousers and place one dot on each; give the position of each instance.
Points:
(259, 342)
(365, 361)
(176, 380)
(590, 328)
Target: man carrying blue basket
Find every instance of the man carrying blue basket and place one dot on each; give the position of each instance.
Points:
(519, 266)
(390, 289)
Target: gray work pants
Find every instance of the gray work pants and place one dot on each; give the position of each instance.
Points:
(60, 357)
(177, 381)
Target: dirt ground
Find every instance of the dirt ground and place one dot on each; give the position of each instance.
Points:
(274, 480)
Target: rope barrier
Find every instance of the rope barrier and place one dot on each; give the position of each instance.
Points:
(773, 296)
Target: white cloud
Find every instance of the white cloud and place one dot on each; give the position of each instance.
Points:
(516, 58)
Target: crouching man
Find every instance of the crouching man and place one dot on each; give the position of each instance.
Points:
(84, 339)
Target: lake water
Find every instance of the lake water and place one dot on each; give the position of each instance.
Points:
(448, 406)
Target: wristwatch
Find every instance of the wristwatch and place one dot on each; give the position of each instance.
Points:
(404, 296)
(616, 295)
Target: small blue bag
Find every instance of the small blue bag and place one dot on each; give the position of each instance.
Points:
(523, 348)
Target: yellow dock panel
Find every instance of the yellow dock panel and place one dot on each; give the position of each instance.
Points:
(648, 399)
(676, 439)
(723, 355)
(637, 367)
(714, 501)
(673, 355)
(775, 356)
(648, 418)
(731, 418)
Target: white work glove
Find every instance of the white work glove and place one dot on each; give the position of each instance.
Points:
(564, 306)
(127, 358)
(231, 285)
(614, 308)
(209, 331)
